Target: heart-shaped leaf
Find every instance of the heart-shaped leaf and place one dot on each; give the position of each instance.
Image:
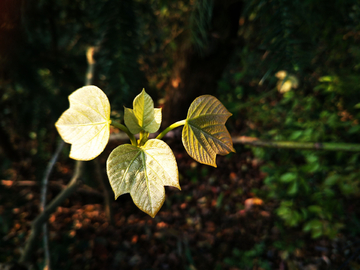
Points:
(86, 124)
(143, 116)
(204, 134)
(143, 172)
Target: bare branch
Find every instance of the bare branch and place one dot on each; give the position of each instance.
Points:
(350, 147)
(37, 224)
(108, 195)
(44, 185)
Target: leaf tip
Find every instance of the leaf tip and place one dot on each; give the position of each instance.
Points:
(177, 186)
(211, 163)
(152, 215)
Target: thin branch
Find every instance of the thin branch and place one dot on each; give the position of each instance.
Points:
(350, 147)
(46, 246)
(45, 180)
(86, 190)
(36, 225)
(91, 66)
(108, 195)
(44, 185)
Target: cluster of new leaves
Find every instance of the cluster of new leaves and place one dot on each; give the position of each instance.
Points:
(145, 166)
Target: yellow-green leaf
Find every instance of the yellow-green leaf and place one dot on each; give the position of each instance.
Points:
(143, 116)
(204, 134)
(143, 172)
(86, 124)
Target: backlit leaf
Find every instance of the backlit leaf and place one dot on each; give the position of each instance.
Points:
(86, 124)
(143, 172)
(204, 134)
(143, 116)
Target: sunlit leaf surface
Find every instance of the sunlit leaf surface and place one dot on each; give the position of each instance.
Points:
(86, 124)
(143, 172)
(143, 116)
(204, 134)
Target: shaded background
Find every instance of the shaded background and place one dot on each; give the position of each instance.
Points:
(261, 208)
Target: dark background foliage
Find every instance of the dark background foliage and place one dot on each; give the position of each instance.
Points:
(262, 208)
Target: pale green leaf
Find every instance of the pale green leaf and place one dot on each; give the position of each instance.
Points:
(204, 134)
(131, 122)
(143, 116)
(143, 172)
(86, 124)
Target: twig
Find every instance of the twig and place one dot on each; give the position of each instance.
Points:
(36, 225)
(86, 190)
(45, 180)
(351, 147)
(46, 247)
(44, 185)
(91, 66)
(108, 195)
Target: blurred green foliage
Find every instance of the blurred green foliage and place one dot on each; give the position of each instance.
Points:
(315, 191)
(249, 259)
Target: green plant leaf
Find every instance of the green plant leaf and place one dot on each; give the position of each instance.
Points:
(332, 179)
(293, 188)
(314, 224)
(315, 209)
(86, 124)
(204, 134)
(143, 116)
(288, 177)
(143, 172)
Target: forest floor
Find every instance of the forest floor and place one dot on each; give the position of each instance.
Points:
(214, 222)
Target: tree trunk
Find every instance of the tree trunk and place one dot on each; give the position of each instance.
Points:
(197, 72)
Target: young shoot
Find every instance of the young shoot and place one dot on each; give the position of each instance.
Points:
(145, 166)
